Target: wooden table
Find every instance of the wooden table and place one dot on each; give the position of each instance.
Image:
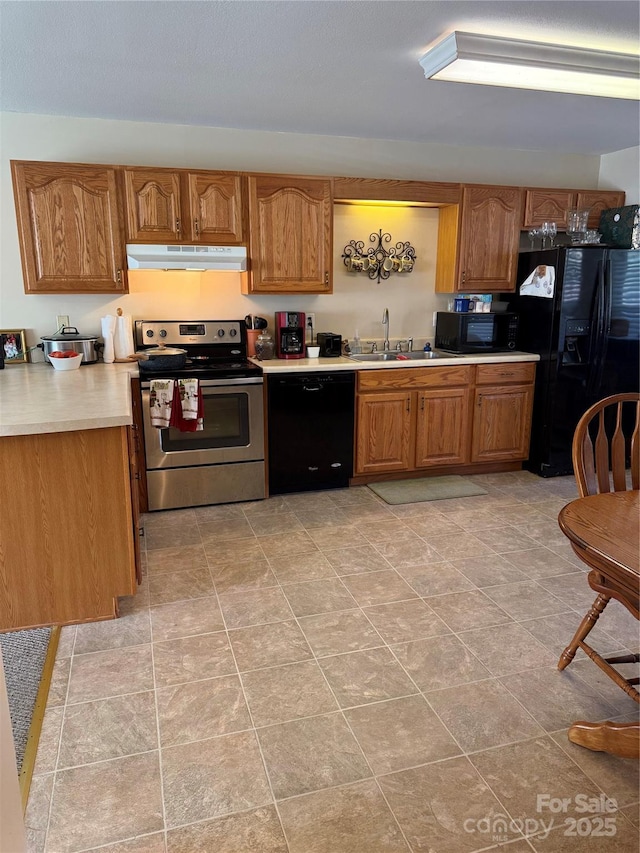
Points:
(604, 531)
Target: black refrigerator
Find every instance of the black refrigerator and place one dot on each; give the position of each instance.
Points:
(586, 334)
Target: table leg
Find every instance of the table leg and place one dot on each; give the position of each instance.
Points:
(621, 739)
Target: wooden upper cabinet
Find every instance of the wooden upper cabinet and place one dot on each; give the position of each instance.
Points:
(69, 227)
(290, 234)
(547, 206)
(215, 207)
(153, 205)
(488, 233)
(597, 201)
(552, 205)
(178, 206)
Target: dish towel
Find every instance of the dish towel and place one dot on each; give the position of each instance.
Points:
(188, 407)
(108, 328)
(161, 402)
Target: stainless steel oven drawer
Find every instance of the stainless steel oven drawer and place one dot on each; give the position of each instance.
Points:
(174, 488)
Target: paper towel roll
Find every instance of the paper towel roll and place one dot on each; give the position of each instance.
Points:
(123, 337)
(108, 327)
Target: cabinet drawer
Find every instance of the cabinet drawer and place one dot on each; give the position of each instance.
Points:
(496, 374)
(414, 377)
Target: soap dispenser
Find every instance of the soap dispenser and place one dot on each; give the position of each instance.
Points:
(427, 347)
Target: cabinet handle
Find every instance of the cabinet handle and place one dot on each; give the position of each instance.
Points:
(178, 228)
(464, 276)
(197, 227)
(507, 374)
(326, 277)
(408, 404)
(422, 404)
(119, 276)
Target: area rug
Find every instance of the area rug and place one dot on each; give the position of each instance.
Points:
(23, 655)
(426, 489)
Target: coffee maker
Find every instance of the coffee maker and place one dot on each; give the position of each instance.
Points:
(290, 333)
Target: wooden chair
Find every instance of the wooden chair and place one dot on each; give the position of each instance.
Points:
(606, 436)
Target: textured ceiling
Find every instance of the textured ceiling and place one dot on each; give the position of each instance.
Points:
(339, 68)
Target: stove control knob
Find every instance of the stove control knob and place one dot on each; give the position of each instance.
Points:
(221, 333)
(163, 333)
(233, 333)
(149, 333)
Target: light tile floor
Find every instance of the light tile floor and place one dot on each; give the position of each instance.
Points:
(324, 673)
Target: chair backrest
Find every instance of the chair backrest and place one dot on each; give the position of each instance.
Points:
(606, 436)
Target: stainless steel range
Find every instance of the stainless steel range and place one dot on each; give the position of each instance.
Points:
(224, 462)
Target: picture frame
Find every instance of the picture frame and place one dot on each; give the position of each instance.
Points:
(13, 346)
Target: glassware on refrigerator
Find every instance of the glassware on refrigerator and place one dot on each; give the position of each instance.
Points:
(577, 223)
(548, 231)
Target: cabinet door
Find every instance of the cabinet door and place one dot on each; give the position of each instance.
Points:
(70, 229)
(383, 432)
(215, 208)
(442, 431)
(290, 234)
(547, 206)
(501, 423)
(134, 479)
(597, 201)
(153, 205)
(489, 238)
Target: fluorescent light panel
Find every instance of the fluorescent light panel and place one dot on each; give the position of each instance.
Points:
(493, 61)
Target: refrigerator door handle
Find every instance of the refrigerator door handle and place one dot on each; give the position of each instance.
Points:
(598, 328)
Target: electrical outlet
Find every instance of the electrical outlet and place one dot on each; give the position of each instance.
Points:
(311, 321)
(62, 320)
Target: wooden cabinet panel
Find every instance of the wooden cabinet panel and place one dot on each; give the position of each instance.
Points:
(290, 234)
(597, 201)
(67, 544)
(478, 241)
(383, 433)
(501, 423)
(489, 238)
(153, 205)
(70, 228)
(504, 372)
(442, 431)
(547, 206)
(215, 208)
(414, 377)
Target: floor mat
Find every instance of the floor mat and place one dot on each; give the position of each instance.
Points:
(23, 656)
(426, 489)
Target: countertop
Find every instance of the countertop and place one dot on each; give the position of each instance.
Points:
(314, 365)
(36, 398)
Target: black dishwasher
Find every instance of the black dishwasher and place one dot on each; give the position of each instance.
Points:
(310, 418)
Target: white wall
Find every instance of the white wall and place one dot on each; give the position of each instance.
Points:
(355, 301)
(620, 170)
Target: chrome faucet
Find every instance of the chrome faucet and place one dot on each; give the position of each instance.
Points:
(385, 323)
(410, 343)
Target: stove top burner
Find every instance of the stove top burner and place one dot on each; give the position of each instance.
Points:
(216, 349)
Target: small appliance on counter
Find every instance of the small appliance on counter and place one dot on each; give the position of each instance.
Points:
(330, 344)
(463, 332)
(68, 339)
(290, 332)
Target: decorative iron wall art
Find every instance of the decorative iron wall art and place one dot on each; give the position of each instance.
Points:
(377, 261)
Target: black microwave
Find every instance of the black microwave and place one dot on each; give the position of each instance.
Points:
(476, 333)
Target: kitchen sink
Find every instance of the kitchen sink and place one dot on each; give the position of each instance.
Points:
(376, 356)
(400, 356)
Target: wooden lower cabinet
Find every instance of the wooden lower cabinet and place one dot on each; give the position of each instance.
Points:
(418, 419)
(67, 543)
(442, 427)
(501, 423)
(383, 440)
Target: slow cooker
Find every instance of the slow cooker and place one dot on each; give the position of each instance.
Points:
(68, 338)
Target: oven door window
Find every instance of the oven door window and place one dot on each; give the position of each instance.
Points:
(225, 422)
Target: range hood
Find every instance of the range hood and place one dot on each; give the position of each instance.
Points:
(195, 257)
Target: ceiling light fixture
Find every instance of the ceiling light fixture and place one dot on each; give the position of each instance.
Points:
(494, 61)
